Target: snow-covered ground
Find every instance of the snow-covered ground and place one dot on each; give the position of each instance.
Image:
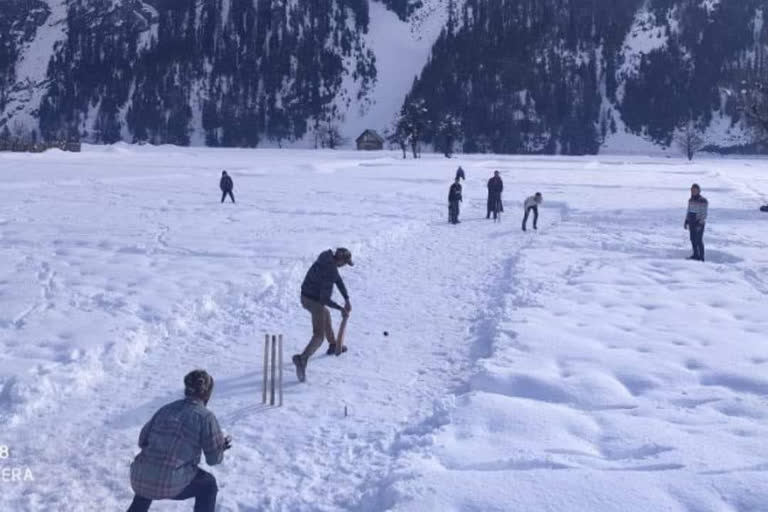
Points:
(584, 367)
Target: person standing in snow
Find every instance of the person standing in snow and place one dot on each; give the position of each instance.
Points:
(460, 174)
(454, 198)
(226, 186)
(316, 291)
(532, 205)
(495, 188)
(171, 443)
(695, 219)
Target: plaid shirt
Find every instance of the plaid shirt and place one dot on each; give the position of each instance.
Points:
(170, 449)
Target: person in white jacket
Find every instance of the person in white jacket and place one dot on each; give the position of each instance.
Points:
(532, 205)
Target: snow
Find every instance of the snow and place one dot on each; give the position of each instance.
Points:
(401, 52)
(624, 142)
(646, 36)
(584, 366)
(32, 66)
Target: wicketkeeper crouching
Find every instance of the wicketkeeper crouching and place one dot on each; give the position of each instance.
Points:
(171, 443)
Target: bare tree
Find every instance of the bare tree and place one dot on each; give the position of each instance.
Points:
(334, 137)
(329, 136)
(688, 138)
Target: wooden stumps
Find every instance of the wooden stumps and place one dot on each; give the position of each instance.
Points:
(272, 383)
(280, 368)
(266, 368)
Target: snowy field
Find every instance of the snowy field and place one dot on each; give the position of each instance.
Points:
(584, 367)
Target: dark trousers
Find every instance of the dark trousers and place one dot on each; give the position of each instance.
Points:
(494, 206)
(225, 193)
(697, 240)
(203, 488)
(535, 216)
(453, 212)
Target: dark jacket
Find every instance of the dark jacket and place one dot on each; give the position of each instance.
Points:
(495, 186)
(460, 173)
(454, 194)
(320, 278)
(226, 184)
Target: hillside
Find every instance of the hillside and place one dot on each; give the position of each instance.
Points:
(522, 76)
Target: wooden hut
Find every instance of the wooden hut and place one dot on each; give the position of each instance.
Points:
(369, 140)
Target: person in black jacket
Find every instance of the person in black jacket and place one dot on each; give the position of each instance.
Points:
(460, 174)
(495, 188)
(316, 291)
(226, 186)
(454, 198)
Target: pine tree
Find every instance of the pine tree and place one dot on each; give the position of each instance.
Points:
(415, 123)
(449, 132)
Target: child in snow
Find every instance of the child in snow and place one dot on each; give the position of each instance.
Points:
(454, 198)
(171, 442)
(226, 186)
(532, 205)
(460, 174)
(695, 219)
(316, 291)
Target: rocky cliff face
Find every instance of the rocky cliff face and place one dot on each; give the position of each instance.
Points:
(551, 76)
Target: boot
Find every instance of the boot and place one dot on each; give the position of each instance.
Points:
(332, 350)
(301, 368)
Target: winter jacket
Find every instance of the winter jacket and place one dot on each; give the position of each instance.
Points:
(697, 211)
(530, 202)
(319, 281)
(170, 444)
(495, 186)
(460, 174)
(226, 184)
(454, 194)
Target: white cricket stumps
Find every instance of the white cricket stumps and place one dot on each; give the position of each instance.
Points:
(273, 369)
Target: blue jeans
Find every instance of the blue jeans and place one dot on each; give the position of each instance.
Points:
(697, 240)
(528, 210)
(203, 488)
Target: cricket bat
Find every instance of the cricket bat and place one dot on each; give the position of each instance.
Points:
(340, 336)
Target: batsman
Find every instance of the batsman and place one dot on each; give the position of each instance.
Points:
(316, 291)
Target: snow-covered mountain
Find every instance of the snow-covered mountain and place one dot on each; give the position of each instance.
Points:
(572, 76)
(568, 76)
(216, 72)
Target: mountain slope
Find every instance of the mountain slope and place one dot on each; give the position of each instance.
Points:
(564, 76)
(531, 76)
